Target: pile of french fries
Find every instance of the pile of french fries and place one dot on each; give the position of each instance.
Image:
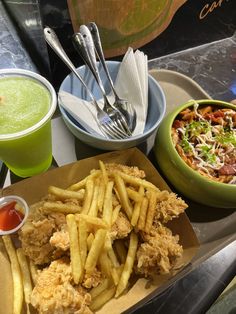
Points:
(101, 195)
(22, 285)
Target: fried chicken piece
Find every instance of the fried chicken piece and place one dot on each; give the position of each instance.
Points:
(60, 240)
(169, 206)
(55, 294)
(35, 238)
(73, 202)
(59, 219)
(158, 253)
(92, 280)
(121, 228)
(36, 233)
(132, 171)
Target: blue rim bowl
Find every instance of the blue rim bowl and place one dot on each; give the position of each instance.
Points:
(156, 108)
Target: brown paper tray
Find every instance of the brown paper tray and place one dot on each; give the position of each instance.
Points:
(215, 228)
(34, 188)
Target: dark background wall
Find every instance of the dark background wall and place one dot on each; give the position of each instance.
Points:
(187, 29)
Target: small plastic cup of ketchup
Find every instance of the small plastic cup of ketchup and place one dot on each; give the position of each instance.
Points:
(13, 213)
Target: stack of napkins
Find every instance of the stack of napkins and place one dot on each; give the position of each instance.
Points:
(131, 84)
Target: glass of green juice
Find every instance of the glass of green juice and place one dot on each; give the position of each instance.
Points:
(27, 103)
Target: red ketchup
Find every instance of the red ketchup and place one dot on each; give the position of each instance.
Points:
(10, 217)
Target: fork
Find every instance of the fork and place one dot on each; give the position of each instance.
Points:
(122, 104)
(105, 123)
(83, 43)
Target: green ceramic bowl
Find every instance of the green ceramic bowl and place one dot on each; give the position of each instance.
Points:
(185, 180)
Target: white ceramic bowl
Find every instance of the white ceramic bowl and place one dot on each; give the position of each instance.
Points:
(156, 109)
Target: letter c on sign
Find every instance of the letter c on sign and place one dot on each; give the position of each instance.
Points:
(204, 11)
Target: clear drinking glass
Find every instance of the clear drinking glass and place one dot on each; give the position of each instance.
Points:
(25, 121)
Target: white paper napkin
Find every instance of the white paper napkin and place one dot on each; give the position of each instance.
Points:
(131, 84)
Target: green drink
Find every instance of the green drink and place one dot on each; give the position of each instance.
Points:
(27, 103)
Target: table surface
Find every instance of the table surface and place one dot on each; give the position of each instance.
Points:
(213, 66)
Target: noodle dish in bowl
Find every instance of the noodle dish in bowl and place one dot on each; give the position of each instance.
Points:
(195, 148)
(205, 138)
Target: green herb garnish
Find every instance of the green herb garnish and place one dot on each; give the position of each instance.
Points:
(185, 145)
(207, 154)
(227, 138)
(195, 128)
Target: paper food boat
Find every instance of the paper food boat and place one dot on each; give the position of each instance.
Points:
(33, 189)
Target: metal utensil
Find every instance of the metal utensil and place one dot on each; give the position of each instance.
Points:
(84, 45)
(81, 47)
(122, 104)
(107, 126)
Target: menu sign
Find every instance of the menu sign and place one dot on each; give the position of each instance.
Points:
(124, 23)
(210, 7)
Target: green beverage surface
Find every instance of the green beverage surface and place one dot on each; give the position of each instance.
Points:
(23, 103)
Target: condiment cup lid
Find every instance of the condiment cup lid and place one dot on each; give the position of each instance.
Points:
(22, 205)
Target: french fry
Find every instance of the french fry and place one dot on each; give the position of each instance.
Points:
(100, 288)
(101, 194)
(115, 214)
(107, 242)
(75, 257)
(104, 171)
(102, 298)
(116, 273)
(125, 275)
(81, 184)
(117, 194)
(93, 210)
(89, 186)
(107, 206)
(16, 275)
(115, 276)
(120, 250)
(83, 235)
(142, 214)
(152, 195)
(126, 205)
(137, 181)
(95, 250)
(105, 263)
(112, 256)
(137, 207)
(134, 195)
(33, 271)
(61, 208)
(65, 194)
(27, 285)
(89, 241)
(93, 221)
